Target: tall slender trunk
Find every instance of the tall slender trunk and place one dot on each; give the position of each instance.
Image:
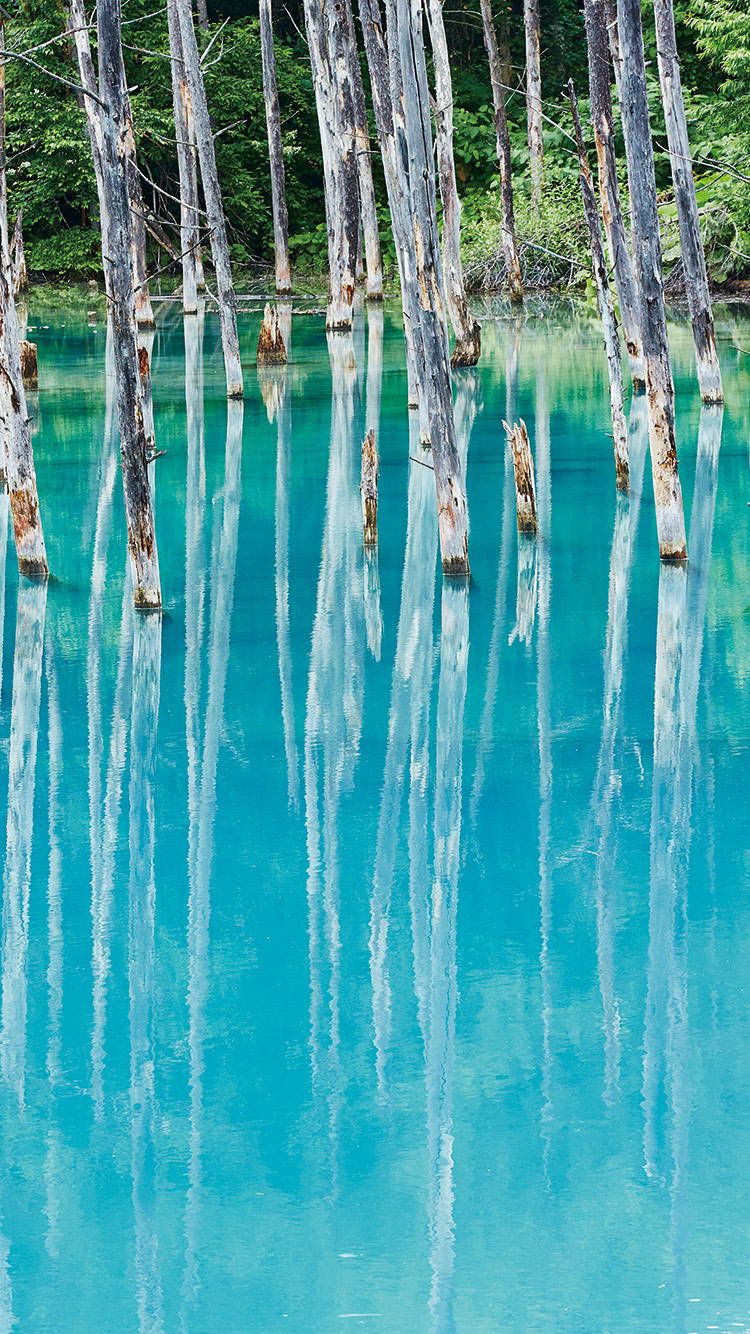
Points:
(533, 34)
(213, 200)
(327, 24)
(693, 257)
(613, 41)
(144, 314)
(275, 152)
(606, 308)
(418, 180)
(609, 191)
(186, 165)
(498, 79)
(670, 519)
(367, 202)
(202, 10)
(117, 251)
(465, 327)
(16, 452)
(20, 271)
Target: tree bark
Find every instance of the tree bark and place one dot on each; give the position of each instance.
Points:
(327, 24)
(186, 165)
(693, 256)
(275, 152)
(609, 191)
(498, 81)
(20, 272)
(271, 350)
(532, 30)
(369, 489)
(465, 327)
(202, 9)
(213, 200)
(117, 249)
(418, 181)
(523, 470)
(670, 519)
(606, 308)
(18, 454)
(144, 314)
(367, 202)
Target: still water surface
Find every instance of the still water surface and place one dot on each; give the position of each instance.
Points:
(375, 950)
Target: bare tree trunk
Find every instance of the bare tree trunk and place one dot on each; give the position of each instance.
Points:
(186, 165)
(405, 36)
(670, 519)
(20, 272)
(614, 226)
(213, 200)
(275, 152)
(606, 308)
(498, 79)
(18, 460)
(523, 469)
(373, 256)
(202, 9)
(369, 489)
(144, 315)
(532, 29)
(327, 24)
(117, 251)
(613, 41)
(693, 257)
(465, 327)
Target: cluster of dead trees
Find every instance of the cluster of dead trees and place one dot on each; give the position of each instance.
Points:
(407, 115)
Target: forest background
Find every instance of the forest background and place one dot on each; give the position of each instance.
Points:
(50, 174)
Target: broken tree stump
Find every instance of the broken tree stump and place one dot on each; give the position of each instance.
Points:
(369, 490)
(523, 468)
(271, 349)
(29, 365)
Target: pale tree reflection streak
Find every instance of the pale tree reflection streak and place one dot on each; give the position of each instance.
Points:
(333, 720)
(199, 908)
(373, 614)
(55, 946)
(683, 593)
(146, 679)
(4, 513)
(605, 797)
(24, 729)
(544, 733)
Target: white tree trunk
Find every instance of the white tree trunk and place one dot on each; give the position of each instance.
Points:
(510, 247)
(465, 326)
(20, 271)
(670, 519)
(275, 152)
(693, 256)
(606, 308)
(187, 167)
(367, 202)
(533, 35)
(604, 136)
(214, 204)
(523, 469)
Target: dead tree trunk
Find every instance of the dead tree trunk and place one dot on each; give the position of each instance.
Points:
(16, 453)
(606, 308)
(369, 489)
(144, 314)
(523, 470)
(20, 272)
(367, 203)
(271, 350)
(187, 167)
(465, 327)
(275, 152)
(498, 81)
(533, 33)
(693, 257)
(117, 248)
(327, 26)
(614, 226)
(418, 182)
(214, 204)
(29, 364)
(670, 519)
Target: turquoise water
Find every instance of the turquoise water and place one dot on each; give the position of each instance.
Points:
(375, 950)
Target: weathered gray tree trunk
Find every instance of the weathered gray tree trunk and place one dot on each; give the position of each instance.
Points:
(16, 453)
(614, 225)
(213, 200)
(670, 519)
(275, 152)
(202, 10)
(117, 249)
(369, 489)
(465, 326)
(533, 34)
(271, 350)
(20, 271)
(523, 470)
(327, 24)
(418, 185)
(606, 308)
(498, 81)
(29, 364)
(367, 203)
(144, 314)
(693, 257)
(187, 167)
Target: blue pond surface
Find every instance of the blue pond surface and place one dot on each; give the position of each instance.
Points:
(375, 949)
